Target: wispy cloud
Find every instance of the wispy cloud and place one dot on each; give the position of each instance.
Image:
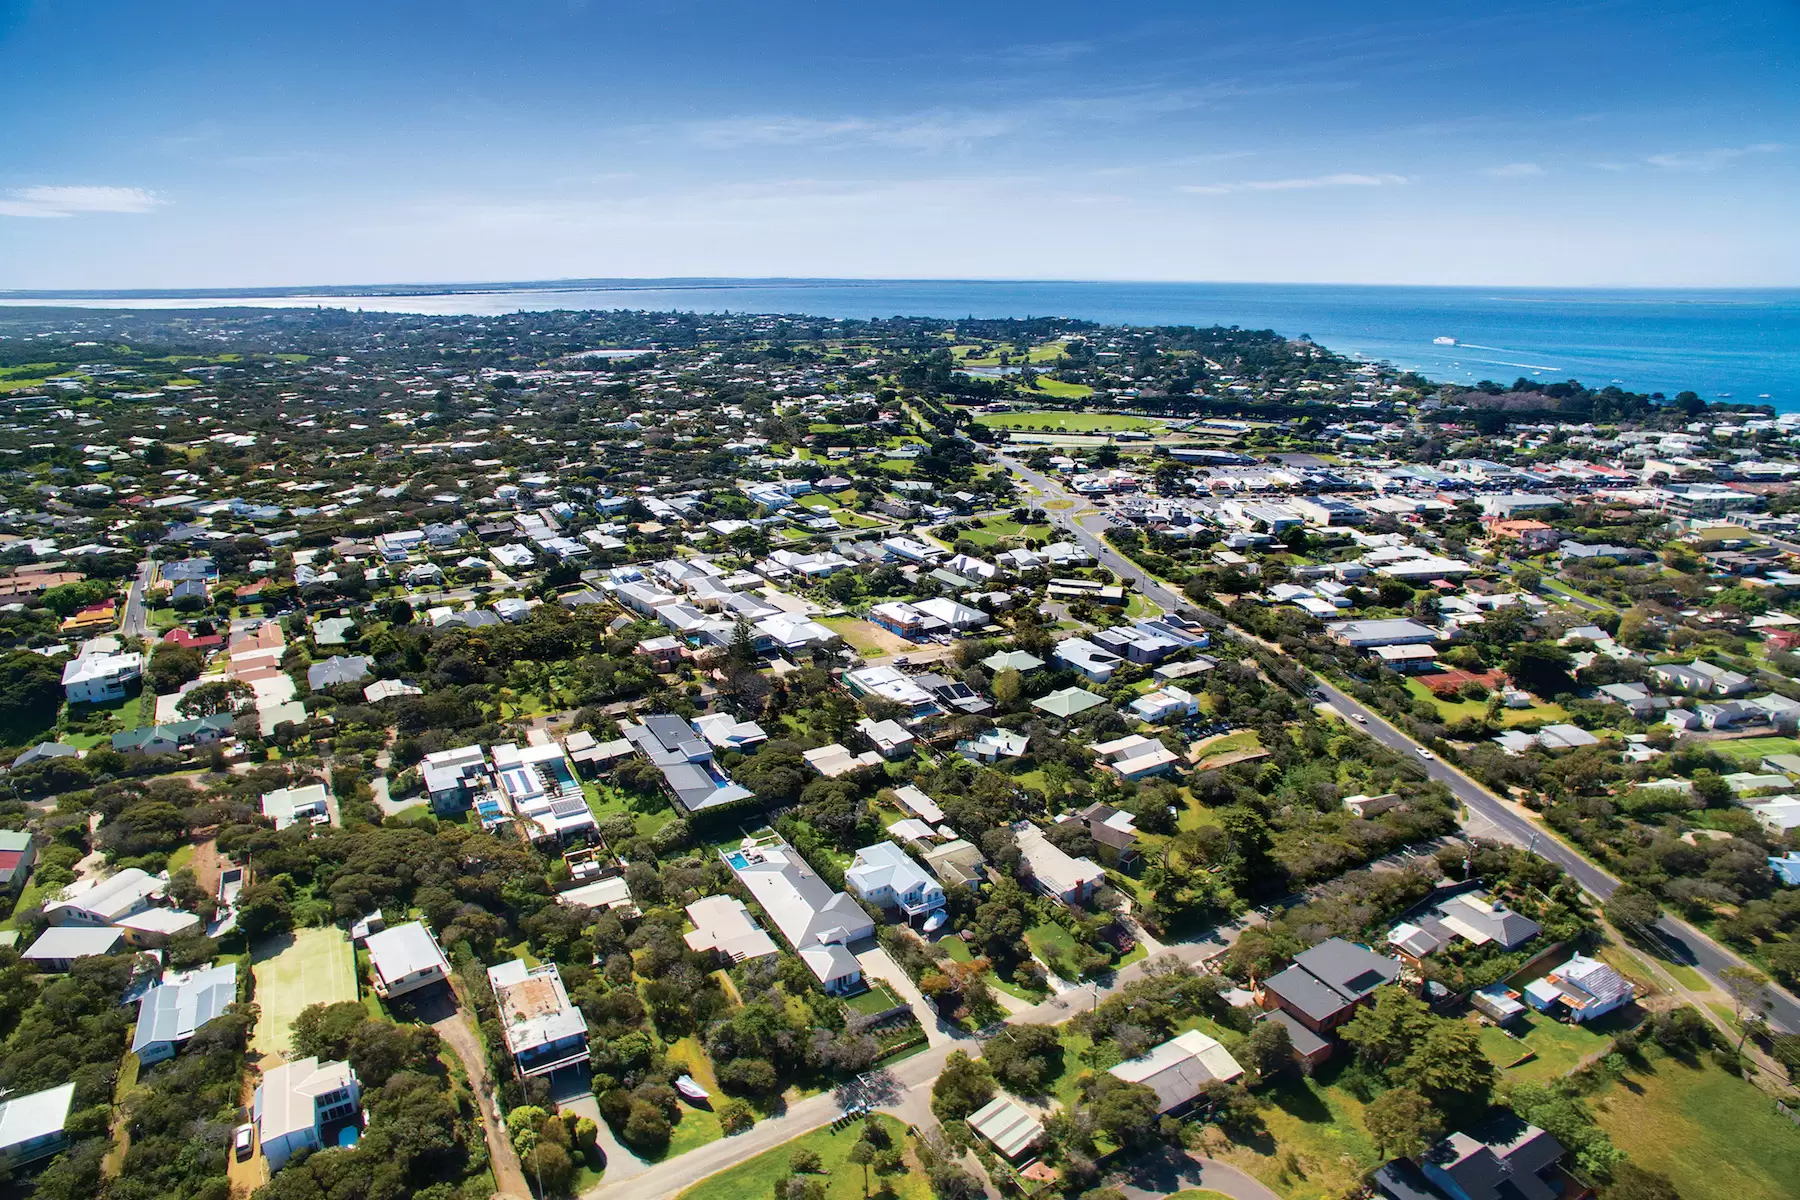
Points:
(1036, 53)
(1518, 170)
(922, 131)
(1711, 160)
(1343, 179)
(45, 201)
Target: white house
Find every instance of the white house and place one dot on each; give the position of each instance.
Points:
(722, 923)
(1180, 1068)
(296, 1101)
(107, 901)
(543, 1030)
(404, 959)
(171, 1013)
(1054, 873)
(307, 803)
(99, 677)
(31, 1127)
(884, 875)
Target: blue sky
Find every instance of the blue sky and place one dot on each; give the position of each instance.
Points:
(234, 144)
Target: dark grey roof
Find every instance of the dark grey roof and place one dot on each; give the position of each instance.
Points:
(1353, 971)
(346, 668)
(44, 750)
(1305, 993)
(1401, 1180)
(1304, 1041)
(1499, 1160)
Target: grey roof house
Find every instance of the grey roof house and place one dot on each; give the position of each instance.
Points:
(171, 1013)
(1324, 985)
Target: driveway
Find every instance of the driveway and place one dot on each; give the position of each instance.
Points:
(573, 1092)
(1156, 1175)
(457, 1029)
(878, 964)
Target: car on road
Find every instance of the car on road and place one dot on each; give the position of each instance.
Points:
(243, 1140)
(1422, 752)
(1360, 719)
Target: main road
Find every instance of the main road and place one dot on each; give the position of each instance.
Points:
(1488, 815)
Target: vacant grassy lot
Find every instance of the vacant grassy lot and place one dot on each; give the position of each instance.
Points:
(757, 1177)
(1068, 422)
(1715, 1136)
(993, 529)
(308, 966)
(1539, 713)
(867, 638)
(1226, 743)
(1313, 1145)
(1555, 1048)
(697, 1126)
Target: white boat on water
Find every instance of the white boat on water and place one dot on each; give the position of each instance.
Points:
(1443, 341)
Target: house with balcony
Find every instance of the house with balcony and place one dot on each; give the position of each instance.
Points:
(885, 876)
(405, 959)
(543, 791)
(544, 1032)
(302, 1105)
(453, 778)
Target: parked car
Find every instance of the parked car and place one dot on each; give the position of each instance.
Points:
(243, 1141)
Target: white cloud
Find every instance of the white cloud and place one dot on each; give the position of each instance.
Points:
(1342, 179)
(1518, 170)
(922, 131)
(45, 201)
(1710, 160)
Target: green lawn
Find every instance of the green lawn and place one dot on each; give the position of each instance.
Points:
(879, 998)
(1753, 750)
(1539, 713)
(1316, 1147)
(1068, 422)
(958, 950)
(1056, 387)
(1229, 743)
(1715, 1136)
(1053, 945)
(1555, 1048)
(756, 1178)
(990, 531)
(308, 966)
(604, 800)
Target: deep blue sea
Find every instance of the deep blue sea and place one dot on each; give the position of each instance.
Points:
(1741, 345)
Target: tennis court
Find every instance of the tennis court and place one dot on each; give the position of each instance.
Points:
(293, 971)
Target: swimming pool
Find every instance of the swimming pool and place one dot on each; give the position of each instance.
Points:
(737, 860)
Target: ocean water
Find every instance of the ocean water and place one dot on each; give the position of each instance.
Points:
(1724, 344)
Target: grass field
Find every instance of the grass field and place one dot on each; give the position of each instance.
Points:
(1556, 1048)
(308, 966)
(1068, 422)
(1061, 390)
(1715, 1136)
(1539, 713)
(756, 1177)
(1227, 743)
(993, 529)
(1315, 1146)
(1753, 750)
(1055, 946)
(697, 1126)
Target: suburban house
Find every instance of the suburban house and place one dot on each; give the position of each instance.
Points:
(345, 668)
(284, 806)
(1135, 757)
(57, 948)
(170, 1013)
(1326, 984)
(726, 732)
(1471, 917)
(1179, 1069)
(1079, 654)
(542, 790)
(31, 1127)
(890, 738)
(452, 778)
(404, 959)
(1168, 703)
(889, 684)
(994, 745)
(107, 901)
(686, 761)
(1584, 988)
(297, 1104)
(1068, 702)
(1012, 660)
(1366, 635)
(100, 677)
(817, 922)
(1055, 874)
(17, 853)
(543, 1030)
(957, 862)
(1114, 831)
(885, 876)
(1701, 677)
(724, 924)
(1502, 1159)
(1008, 1128)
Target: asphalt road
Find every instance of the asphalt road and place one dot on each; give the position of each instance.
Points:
(1489, 816)
(135, 622)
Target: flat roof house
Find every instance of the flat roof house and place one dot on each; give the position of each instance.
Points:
(171, 1013)
(404, 959)
(31, 1127)
(1180, 1068)
(1054, 873)
(296, 1103)
(306, 803)
(57, 948)
(543, 1030)
(1325, 984)
(543, 791)
(817, 922)
(724, 924)
(884, 875)
(453, 777)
